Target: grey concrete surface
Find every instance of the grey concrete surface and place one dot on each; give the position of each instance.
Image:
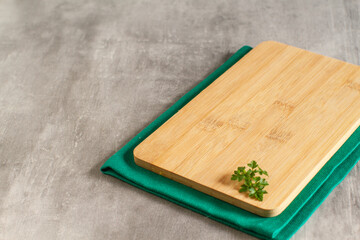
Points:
(78, 79)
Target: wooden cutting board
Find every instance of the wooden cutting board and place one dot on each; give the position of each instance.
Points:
(286, 108)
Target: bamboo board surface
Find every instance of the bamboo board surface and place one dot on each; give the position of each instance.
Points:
(286, 108)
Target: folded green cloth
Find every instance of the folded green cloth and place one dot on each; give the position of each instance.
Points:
(121, 165)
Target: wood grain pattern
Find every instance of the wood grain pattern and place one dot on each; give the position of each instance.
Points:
(286, 108)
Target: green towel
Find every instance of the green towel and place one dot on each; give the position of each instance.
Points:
(121, 165)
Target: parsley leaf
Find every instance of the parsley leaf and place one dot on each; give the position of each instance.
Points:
(252, 183)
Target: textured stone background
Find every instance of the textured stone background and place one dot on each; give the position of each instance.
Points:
(78, 79)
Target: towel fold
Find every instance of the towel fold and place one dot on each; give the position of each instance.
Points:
(122, 166)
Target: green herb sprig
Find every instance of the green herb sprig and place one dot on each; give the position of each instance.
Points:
(253, 183)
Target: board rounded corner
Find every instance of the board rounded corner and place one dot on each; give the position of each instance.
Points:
(269, 42)
(137, 155)
(272, 211)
